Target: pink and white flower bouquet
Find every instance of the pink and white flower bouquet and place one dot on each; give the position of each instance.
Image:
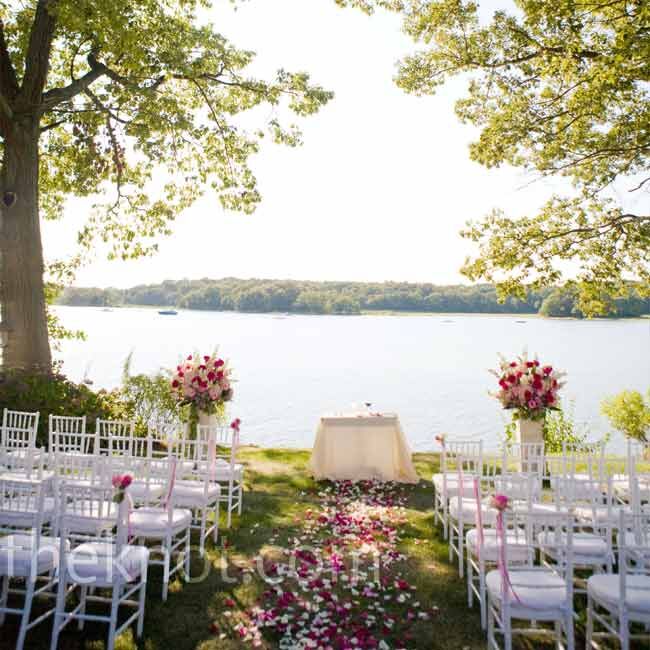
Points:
(528, 387)
(203, 382)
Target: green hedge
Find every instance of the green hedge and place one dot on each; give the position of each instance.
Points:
(52, 393)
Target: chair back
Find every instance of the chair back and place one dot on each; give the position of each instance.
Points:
(523, 457)
(19, 429)
(29, 463)
(67, 434)
(549, 537)
(86, 469)
(22, 505)
(84, 511)
(633, 555)
(114, 437)
(225, 440)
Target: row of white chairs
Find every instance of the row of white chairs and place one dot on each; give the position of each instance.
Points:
(112, 438)
(582, 487)
(82, 546)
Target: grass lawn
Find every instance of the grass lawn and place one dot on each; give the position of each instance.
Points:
(279, 493)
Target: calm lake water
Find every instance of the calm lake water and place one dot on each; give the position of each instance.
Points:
(432, 370)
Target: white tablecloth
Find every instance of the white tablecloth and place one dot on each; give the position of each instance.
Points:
(362, 447)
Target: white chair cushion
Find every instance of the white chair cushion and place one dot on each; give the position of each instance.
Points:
(25, 518)
(452, 484)
(190, 494)
(221, 470)
(537, 590)
(600, 514)
(517, 550)
(95, 563)
(588, 548)
(605, 588)
(154, 522)
(146, 492)
(17, 555)
(517, 489)
(85, 518)
(538, 508)
(488, 514)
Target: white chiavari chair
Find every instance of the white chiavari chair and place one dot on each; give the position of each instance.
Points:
(103, 562)
(80, 469)
(519, 461)
(615, 601)
(596, 518)
(462, 509)
(199, 489)
(446, 483)
(28, 558)
(150, 476)
(114, 437)
(18, 435)
(637, 469)
(169, 528)
(67, 434)
(226, 470)
(532, 592)
(25, 465)
(482, 547)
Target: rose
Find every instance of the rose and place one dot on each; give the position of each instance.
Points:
(116, 481)
(127, 479)
(440, 440)
(235, 424)
(499, 502)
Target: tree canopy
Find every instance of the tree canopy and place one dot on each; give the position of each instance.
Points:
(556, 88)
(137, 103)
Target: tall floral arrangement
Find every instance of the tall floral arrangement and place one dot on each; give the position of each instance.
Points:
(528, 387)
(202, 382)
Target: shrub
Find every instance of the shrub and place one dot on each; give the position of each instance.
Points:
(149, 398)
(51, 393)
(629, 413)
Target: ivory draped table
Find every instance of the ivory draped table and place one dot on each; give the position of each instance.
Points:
(362, 447)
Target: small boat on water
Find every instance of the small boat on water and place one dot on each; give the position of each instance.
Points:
(523, 322)
(107, 309)
(168, 312)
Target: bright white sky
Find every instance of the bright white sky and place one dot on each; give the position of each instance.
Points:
(379, 191)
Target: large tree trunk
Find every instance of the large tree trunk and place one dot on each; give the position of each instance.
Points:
(24, 321)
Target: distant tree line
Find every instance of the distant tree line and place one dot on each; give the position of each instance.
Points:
(259, 296)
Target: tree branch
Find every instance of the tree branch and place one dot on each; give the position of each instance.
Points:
(37, 60)
(57, 95)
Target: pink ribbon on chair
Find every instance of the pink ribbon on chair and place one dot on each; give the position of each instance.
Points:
(479, 518)
(500, 502)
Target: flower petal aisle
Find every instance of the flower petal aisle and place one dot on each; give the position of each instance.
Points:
(340, 584)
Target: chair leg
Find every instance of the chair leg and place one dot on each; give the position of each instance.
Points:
(570, 635)
(82, 610)
(166, 546)
(142, 600)
(112, 625)
(59, 612)
(507, 631)
(27, 610)
(490, 625)
(590, 622)
(470, 578)
(229, 518)
(461, 549)
(483, 595)
(241, 498)
(624, 631)
(4, 595)
(215, 532)
(186, 566)
(204, 515)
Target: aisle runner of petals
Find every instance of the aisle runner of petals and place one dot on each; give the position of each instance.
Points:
(342, 585)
